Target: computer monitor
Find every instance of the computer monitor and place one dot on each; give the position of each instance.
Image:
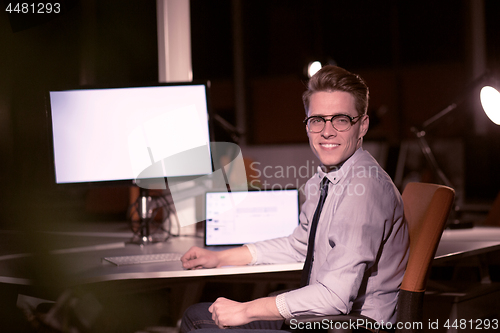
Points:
(131, 135)
(104, 135)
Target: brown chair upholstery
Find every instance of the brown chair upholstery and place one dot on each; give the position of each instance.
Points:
(426, 209)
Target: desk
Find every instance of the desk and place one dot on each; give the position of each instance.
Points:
(73, 260)
(459, 296)
(461, 243)
(78, 254)
(88, 267)
(75, 256)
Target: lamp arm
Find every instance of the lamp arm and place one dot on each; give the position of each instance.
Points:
(230, 129)
(429, 156)
(440, 115)
(480, 79)
(420, 132)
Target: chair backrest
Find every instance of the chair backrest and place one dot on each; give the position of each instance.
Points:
(426, 209)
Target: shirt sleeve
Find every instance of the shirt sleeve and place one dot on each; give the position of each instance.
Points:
(251, 248)
(281, 250)
(283, 307)
(356, 228)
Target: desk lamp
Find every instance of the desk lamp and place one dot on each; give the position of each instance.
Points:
(490, 101)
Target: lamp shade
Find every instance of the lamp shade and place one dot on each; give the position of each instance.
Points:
(490, 100)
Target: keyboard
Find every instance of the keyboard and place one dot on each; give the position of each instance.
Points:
(144, 258)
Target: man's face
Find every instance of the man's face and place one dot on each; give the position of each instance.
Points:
(330, 146)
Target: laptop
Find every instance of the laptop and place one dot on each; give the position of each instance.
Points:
(241, 217)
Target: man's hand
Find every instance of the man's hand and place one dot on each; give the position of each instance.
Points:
(196, 258)
(228, 313)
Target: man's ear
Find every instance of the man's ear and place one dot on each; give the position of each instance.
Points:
(363, 127)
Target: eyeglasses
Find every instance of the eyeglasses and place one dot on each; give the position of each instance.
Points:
(341, 122)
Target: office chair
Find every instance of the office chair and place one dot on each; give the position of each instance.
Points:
(426, 209)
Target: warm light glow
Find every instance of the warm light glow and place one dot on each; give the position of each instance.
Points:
(490, 99)
(313, 68)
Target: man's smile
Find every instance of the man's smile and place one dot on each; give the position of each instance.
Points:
(329, 145)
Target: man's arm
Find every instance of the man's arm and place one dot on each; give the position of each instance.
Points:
(360, 223)
(197, 257)
(228, 313)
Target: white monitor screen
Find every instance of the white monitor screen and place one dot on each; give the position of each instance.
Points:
(117, 133)
(247, 217)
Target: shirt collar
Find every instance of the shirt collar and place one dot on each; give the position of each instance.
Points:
(337, 174)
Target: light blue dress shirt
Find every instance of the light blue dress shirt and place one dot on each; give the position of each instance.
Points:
(361, 247)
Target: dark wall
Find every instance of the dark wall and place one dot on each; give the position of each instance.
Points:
(414, 56)
(91, 42)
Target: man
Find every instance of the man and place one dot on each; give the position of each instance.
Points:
(361, 242)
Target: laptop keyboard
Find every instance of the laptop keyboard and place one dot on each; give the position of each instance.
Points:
(144, 258)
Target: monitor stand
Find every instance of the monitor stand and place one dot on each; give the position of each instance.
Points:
(143, 236)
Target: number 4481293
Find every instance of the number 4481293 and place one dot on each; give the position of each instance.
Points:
(475, 324)
(33, 8)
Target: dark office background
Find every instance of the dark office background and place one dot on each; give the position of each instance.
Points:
(414, 55)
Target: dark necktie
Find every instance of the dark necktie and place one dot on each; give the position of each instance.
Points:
(306, 271)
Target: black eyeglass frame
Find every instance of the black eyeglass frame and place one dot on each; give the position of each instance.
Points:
(331, 121)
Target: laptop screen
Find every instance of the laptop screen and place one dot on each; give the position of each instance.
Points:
(234, 218)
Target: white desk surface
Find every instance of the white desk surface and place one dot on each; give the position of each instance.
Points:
(459, 243)
(77, 255)
(90, 268)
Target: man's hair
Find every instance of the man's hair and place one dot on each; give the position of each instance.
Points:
(332, 78)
